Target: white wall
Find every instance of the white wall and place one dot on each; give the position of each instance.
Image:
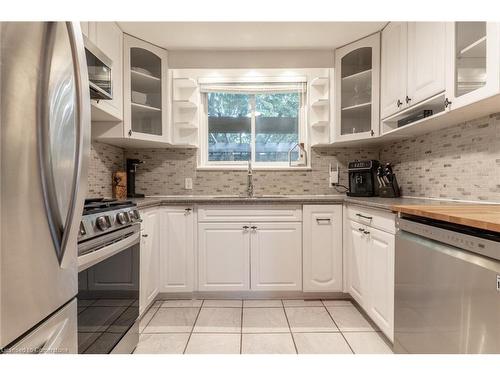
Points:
(210, 59)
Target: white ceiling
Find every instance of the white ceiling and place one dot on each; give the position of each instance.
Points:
(250, 35)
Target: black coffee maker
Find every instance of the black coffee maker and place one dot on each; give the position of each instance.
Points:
(131, 171)
(362, 178)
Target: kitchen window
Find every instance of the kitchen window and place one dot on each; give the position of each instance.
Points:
(251, 122)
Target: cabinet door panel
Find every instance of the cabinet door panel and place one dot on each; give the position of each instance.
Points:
(276, 256)
(109, 38)
(357, 247)
(150, 263)
(381, 280)
(393, 68)
(223, 257)
(426, 60)
(177, 250)
(322, 248)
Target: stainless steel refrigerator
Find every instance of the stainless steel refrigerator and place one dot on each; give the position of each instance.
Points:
(44, 146)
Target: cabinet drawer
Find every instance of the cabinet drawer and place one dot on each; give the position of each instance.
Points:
(243, 213)
(382, 220)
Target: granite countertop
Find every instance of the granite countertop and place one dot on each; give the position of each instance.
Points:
(373, 202)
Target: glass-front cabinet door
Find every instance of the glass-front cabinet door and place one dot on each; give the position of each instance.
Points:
(145, 83)
(357, 75)
(474, 53)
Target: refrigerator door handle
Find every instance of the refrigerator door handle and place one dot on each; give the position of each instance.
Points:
(64, 117)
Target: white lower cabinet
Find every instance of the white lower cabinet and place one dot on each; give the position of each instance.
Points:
(149, 258)
(276, 256)
(380, 274)
(357, 250)
(177, 249)
(223, 256)
(370, 280)
(322, 248)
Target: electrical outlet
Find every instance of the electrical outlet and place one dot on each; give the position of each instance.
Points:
(334, 176)
(188, 183)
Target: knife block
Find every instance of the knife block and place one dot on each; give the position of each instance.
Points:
(391, 190)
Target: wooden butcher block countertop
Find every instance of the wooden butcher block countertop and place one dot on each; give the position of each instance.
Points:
(483, 216)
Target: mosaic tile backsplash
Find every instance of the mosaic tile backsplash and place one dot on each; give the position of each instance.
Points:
(461, 162)
(164, 172)
(104, 160)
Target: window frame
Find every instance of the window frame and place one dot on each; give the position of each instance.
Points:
(204, 163)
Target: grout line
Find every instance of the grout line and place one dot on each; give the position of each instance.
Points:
(192, 328)
(336, 325)
(290, 328)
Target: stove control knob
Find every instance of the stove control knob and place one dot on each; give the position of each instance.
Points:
(122, 217)
(102, 223)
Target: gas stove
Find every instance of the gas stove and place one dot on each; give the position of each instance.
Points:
(102, 216)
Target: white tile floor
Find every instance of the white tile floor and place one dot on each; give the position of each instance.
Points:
(269, 326)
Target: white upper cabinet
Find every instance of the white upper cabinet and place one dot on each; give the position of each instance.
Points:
(426, 60)
(357, 80)
(393, 68)
(109, 38)
(177, 249)
(146, 91)
(322, 248)
(474, 62)
(413, 64)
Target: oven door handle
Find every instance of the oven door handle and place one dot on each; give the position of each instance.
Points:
(90, 259)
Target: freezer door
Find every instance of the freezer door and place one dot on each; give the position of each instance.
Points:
(45, 127)
(446, 299)
(57, 335)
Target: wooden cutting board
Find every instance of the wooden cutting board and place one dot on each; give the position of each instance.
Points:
(482, 216)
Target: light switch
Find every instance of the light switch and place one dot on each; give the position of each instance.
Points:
(188, 183)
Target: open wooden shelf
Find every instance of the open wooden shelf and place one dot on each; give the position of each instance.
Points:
(320, 124)
(320, 103)
(185, 104)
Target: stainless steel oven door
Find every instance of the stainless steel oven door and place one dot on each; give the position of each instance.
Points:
(108, 292)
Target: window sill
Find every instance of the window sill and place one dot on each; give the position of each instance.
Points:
(254, 168)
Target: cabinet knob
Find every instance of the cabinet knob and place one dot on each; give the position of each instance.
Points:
(399, 103)
(188, 211)
(145, 235)
(361, 229)
(372, 132)
(253, 227)
(408, 99)
(130, 133)
(447, 103)
(366, 232)
(245, 227)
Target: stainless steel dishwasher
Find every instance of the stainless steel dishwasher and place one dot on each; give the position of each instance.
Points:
(447, 296)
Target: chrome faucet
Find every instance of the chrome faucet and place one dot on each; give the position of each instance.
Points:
(250, 180)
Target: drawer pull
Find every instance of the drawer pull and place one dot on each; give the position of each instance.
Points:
(253, 227)
(320, 220)
(365, 217)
